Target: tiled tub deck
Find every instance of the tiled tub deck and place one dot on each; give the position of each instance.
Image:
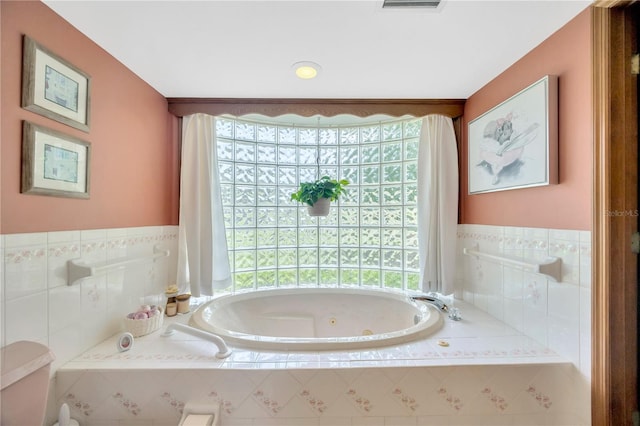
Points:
(488, 375)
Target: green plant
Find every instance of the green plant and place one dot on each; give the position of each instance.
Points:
(325, 187)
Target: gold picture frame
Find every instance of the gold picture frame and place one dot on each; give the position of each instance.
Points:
(54, 88)
(53, 163)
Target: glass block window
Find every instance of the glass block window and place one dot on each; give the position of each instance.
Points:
(370, 237)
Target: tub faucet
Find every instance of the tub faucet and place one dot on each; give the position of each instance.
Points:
(432, 300)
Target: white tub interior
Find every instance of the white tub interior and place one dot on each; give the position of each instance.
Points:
(317, 318)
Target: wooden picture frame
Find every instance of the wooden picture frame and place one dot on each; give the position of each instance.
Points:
(515, 144)
(53, 87)
(53, 163)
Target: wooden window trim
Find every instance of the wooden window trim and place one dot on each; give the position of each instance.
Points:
(310, 107)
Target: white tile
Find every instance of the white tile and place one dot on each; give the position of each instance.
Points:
(585, 355)
(279, 387)
(233, 421)
(536, 234)
(26, 318)
(25, 240)
(569, 251)
(334, 421)
(514, 312)
(65, 307)
(93, 251)
(585, 236)
(564, 234)
(367, 421)
(585, 259)
(115, 233)
(486, 420)
(95, 325)
(58, 254)
(2, 291)
(61, 237)
(585, 332)
(513, 231)
(116, 247)
(564, 338)
(432, 420)
(513, 241)
(535, 307)
(66, 344)
(563, 301)
(536, 243)
(564, 320)
(122, 298)
(585, 311)
(93, 234)
(2, 268)
(25, 270)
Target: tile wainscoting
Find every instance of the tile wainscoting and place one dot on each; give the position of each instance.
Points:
(556, 314)
(38, 305)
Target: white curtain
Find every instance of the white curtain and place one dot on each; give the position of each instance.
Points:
(203, 260)
(437, 204)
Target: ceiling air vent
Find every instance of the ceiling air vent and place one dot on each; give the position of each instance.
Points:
(432, 4)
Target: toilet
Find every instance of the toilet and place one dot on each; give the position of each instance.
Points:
(24, 383)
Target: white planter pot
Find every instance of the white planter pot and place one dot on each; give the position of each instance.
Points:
(320, 208)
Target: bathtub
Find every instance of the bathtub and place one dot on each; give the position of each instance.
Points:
(487, 373)
(317, 319)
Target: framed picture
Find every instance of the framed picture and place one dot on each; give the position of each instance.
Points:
(54, 88)
(54, 163)
(515, 144)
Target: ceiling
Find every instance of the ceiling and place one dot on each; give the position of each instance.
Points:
(241, 49)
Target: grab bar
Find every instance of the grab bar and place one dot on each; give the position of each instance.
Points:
(551, 267)
(77, 269)
(223, 349)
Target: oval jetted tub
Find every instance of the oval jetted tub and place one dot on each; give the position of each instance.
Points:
(317, 318)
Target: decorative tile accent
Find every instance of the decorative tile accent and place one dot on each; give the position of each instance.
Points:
(363, 404)
(542, 399)
(269, 405)
(533, 294)
(225, 405)
(173, 402)
(406, 400)
(78, 405)
(126, 403)
(453, 401)
(316, 405)
(21, 256)
(70, 250)
(499, 402)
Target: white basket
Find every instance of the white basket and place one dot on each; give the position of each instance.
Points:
(140, 327)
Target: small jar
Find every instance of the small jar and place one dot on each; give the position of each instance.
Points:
(183, 303)
(172, 309)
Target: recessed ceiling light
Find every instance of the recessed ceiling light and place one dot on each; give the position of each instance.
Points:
(306, 69)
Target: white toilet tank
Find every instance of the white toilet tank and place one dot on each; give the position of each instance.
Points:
(25, 383)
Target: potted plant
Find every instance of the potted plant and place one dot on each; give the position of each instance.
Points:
(317, 195)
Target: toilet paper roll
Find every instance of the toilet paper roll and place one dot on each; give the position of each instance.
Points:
(198, 420)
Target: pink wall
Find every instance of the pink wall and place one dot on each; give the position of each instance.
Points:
(133, 138)
(567, 205)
